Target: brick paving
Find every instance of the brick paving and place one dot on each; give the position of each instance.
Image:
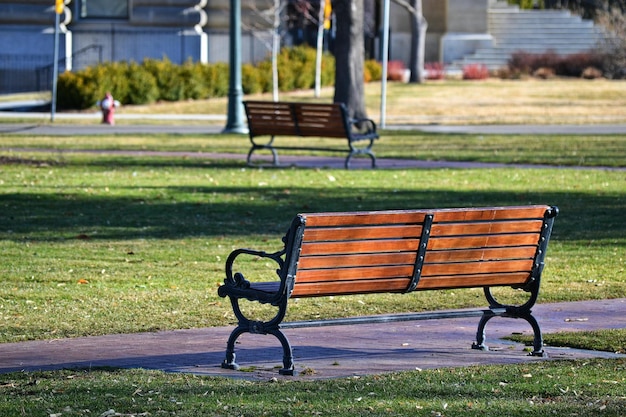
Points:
(328, 352)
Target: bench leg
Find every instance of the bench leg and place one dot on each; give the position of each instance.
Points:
(488, 315)
(479, 344)
(288, 367)
(269, 146)
(259, 327)
(229, 361)
(538, 339)
(360, 151)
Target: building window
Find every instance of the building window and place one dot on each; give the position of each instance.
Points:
(107, 9)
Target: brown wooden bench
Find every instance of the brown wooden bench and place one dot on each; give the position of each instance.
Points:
(266, 118)
(398, 252)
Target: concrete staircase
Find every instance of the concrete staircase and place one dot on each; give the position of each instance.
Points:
(532, 31)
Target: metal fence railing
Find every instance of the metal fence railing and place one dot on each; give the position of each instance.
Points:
(19, 73)
(32, 73)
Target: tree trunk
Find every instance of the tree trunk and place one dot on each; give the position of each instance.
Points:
(349, 56)
(418, 42)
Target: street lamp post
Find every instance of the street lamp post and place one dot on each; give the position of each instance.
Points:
(234, 122)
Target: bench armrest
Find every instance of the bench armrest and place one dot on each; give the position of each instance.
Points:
(364, 125)
(236, 285)
(235, 279)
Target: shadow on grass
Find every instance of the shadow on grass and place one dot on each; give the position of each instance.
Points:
(174, 212)
(179, 212)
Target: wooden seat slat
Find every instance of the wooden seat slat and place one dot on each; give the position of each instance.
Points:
(356, 273)
(349, 287)
(451, 229)
(477, 267)
(485, 241)
(472, 281)
(371, 232)
(363, 246)
(460, 255)
(346, 261)
(496, 213)
(363, 219)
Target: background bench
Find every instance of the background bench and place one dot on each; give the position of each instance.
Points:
(266, 118)
(398, 252)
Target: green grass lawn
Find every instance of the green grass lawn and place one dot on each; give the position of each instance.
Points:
(577, 388)
(98, 243)
(552, 150)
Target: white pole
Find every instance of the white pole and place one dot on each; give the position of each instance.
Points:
(320, 45)
(275, 49)
(385, 59)
(55, 66)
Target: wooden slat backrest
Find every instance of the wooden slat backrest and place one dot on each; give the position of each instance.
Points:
(346, 253)
(325, 120)
(270, 118)
(480, 247)
(296, 119)
(368, 252)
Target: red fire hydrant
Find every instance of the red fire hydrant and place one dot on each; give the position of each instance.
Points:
(108, 105)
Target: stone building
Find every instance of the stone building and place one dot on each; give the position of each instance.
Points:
(93, 31)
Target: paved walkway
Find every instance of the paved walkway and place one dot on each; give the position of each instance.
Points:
(211, 124)
(307, 161)
(328, 352)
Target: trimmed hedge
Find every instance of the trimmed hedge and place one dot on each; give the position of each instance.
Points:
(573, 65)
(153, 80)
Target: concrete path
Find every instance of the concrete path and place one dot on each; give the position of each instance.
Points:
(64, 129)
(212, 124)
(328, 352)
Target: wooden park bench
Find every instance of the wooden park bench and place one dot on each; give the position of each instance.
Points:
(399, 251)
(266, 118)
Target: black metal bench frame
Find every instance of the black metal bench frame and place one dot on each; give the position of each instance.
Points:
(278, 293)
(266, 118)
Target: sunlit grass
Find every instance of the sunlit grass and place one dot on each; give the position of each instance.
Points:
(96, 244)
(572, 388)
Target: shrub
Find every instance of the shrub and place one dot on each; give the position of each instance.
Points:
(264, 70)
(191, 80)
(299, 65)
(304, 76)
(151, 80)
(528, 63)
(591, 73)
(396, 71)
(250, 79)
(286, 78)
(328, 70)
(167, 78)
(373, 70)
(544, 73)
(216, 77)
(571, 65)
(435, 70)
(142, 86)
(475, 72)
(83, 89)
(72, 92)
